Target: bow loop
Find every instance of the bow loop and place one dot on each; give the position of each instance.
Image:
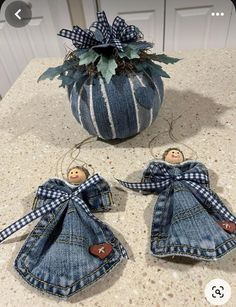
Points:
(116, 35)
(117, 26)
(59, 198)
(195, 181)
(130, 33)
(49, 193)
(79, 37)
(101, 33)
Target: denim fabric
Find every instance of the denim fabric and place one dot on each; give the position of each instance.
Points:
(55, 257)
(119, 109)
(183, 223)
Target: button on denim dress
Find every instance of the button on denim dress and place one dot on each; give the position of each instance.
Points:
(55, 257)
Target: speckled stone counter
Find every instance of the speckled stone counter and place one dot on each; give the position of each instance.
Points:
(37, 128)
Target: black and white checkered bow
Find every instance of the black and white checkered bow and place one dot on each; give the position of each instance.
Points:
(104, 34)
(194, 180)
(59, 197)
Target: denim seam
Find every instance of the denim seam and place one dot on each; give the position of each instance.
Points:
(76, 282)
(73, 236)
(71, 243)
(29, 249)
(56, 294)
(193, 256)
(177, 217)
(204, 249)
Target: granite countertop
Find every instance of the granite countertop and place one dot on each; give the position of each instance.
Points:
(37, 128)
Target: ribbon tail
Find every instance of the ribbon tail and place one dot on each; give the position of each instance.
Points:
(79, 37)
(25, 220)
(206, 195)
(28, 218)
(139, 186)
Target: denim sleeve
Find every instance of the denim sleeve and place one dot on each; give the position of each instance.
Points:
(40, 200)
(98, 197)
(148, 177)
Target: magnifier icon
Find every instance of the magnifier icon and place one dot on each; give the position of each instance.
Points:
(217, 291)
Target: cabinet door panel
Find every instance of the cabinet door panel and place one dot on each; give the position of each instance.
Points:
(190, 24)
(37, 39)
(231, 39)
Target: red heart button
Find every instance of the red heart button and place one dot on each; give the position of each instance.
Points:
(228, 226)
(101, 250)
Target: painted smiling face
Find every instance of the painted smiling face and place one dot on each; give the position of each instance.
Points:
(173, 156)
(77, 175)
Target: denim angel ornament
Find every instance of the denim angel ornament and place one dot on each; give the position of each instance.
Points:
(189, 219)
(69, 248)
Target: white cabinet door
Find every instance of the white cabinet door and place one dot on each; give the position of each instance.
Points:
(38, 39)
(190, 24)
(231, 39)
(147, 15)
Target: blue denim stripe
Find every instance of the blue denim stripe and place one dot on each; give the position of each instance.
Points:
(85, 109)
(74, 97)
(122, 106)
(162, 214)
(158, 83)
(154, 96)
(100, 109)
(125, 117)
(141, 94)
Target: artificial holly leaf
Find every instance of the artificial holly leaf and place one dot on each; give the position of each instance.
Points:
(51, 73)
(129, 53)
(152, 67)
(140, 45)
(77, 75)
(163, 58)
(88, 57)
(140, 65)
(107, 67)
(79, 52)
(157, 69)
(66, 80)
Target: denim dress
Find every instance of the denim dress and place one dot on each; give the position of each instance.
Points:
(55, 257)
(187, 213)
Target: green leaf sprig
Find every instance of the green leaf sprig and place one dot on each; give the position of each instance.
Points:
(107, 62)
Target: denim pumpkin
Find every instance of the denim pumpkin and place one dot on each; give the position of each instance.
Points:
(69, 248)
(187, 214)
(119, 109)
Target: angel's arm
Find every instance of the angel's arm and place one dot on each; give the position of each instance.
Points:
(98, 197)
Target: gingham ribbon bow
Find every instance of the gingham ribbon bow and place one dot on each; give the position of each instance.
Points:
(58, 196)
(116, 35)
(193, 180)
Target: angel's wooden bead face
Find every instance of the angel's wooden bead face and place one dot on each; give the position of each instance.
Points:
(174, 156)
(76, 176)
